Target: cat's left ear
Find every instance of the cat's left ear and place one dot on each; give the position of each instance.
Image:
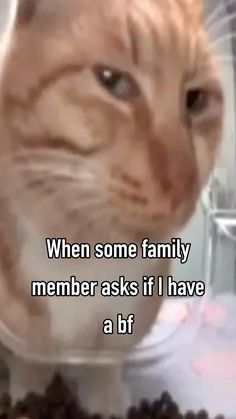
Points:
(26, 10)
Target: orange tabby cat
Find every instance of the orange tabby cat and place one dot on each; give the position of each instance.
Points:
(111, 117)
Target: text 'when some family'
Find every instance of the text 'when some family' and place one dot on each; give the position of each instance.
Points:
(61, 249)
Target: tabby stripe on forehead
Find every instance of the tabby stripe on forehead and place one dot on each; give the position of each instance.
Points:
(162, 24)
(42, 84)
(133, 41)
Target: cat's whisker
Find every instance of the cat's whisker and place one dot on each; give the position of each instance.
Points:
(85, 207)
(216, 12)
(93, 207)
(214, 15)
(227, 61)
(61, 176)
(25, 182)
(87, 204)
(224, 38)
(29, 160)
(28, 154)
(225, 57)
(27, 189)
(62, 164)
(84, 174)
(85, 197)
(84, 204)
(95, 216)
(222, 22)
(45, 160)
(43, 183)
(93, 211)
(45, 157)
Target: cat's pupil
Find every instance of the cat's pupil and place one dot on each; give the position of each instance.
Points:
(196, 100)
(120, 84)
(110, 78)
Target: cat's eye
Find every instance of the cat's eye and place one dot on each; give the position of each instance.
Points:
(120, 84)
(196, 101)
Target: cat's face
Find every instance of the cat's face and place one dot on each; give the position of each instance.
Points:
(113, 112)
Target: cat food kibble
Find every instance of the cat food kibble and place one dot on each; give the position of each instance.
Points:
(58, 403)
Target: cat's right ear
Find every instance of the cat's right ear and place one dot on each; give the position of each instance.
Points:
(26, 11)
